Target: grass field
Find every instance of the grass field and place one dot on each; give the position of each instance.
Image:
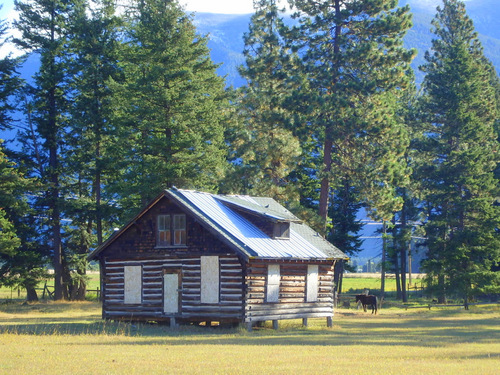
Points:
(63, 338)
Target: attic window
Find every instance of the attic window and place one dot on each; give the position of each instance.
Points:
(168, 226)
(281, 230)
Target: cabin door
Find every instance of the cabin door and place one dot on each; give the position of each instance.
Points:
(171, 292)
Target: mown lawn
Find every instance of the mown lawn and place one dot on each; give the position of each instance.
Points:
(62, 338)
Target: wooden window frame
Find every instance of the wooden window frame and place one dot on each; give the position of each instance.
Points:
(281, 231)
(171, 235)
(166, 229)
(179, 238)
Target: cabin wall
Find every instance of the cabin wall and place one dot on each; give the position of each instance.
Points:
(229, 307)
(137, 247)
(292, 301)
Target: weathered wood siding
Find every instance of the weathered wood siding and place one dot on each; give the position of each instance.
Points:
(292, 292)
(229, 307)
(137, 247)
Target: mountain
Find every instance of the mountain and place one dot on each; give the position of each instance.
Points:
(226, 34)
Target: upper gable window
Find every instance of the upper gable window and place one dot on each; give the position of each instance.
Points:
(281, 231)
(171, 230)
(179, 229)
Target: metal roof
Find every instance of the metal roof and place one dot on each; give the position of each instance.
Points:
(304, 243)
(217, 213)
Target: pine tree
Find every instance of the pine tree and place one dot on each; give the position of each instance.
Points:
(343, 211)
(10, 82)
(171, 107)
(459, 101)
(43, 25)
(94, 42)
(22, 258)
(270, 152)
(355, 64)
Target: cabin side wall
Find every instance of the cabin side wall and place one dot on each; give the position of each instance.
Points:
(292, 300)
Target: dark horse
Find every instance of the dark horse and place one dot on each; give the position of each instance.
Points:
(368, 300)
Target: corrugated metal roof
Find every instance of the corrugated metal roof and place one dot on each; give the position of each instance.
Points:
(226, 223)
(266, 207)
(304, 243)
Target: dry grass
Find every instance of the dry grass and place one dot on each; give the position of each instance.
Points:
(61, 338)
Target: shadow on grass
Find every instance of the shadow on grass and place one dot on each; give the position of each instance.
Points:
(436, 329)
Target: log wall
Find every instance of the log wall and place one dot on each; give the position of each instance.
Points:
(229, 307)
(292, 292)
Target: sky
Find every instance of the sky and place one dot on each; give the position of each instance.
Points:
(209, 6)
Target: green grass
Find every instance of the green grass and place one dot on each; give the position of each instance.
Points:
(61, 338)
(20, 294)
(356, 283)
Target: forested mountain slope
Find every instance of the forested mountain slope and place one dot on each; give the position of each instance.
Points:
(226, 33)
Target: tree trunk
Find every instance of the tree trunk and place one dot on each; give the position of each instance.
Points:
(403, 253)
(384, 247)
(338, 275)
(325, 182)
(441, 289)
(31, 294)
(404, 292)
(397, 275)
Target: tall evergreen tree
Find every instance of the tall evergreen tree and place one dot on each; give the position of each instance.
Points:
(355, 63)
(270, 152)
(22, 258)
(171, 107)
(9, 82)
(459, 101)
(43, 25)
(345, 232)
(94, 42)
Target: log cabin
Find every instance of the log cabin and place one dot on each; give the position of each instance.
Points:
(191, 256)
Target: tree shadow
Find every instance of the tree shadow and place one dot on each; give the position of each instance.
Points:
(436, 329)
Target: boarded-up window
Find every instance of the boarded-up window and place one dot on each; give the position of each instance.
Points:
(133, 285)
(312, 283)
(179, 229)
(273, 283)
(209, 279)
(164, 236)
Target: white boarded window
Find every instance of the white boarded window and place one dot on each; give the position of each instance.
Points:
(209, 279)
(312, 283)
(273, 283)
(133, 285)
